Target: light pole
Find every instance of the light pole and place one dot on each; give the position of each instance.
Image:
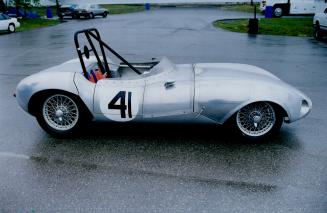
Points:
(254, 22)
(57, 7)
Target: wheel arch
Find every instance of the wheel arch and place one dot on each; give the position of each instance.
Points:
(278, 106)
(38, 96)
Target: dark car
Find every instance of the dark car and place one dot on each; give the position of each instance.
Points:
(66, 10)
(90, 11)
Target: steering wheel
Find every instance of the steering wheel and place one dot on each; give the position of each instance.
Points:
(106, 74)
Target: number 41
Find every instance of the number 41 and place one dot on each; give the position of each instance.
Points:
(122, 106)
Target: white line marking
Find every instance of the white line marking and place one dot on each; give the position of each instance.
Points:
(13, 155)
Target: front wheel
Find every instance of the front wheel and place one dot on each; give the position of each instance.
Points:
(11, 28)
(91, 15)
(104, 15)
(258, 120)
(60, 114)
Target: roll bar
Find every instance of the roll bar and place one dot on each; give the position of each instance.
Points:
(94, 33)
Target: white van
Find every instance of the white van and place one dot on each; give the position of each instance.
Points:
(289, 7)
(320, 19)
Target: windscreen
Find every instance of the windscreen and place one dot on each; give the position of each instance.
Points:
(164, 65)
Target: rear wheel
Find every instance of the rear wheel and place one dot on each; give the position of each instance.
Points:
(11, 28)
(317, 33)
(278, 11)
(91, 15)
(60, 114)
(104, 14)
(258, 120)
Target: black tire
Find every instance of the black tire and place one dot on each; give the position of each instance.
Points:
(105, 14)
(82, 114)
(317, 32)
(11, 28)
(273, 128)
(278, 11)
(91, 15)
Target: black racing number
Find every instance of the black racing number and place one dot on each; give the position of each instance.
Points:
(122, 105)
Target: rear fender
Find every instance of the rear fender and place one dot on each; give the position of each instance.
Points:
(38, 82)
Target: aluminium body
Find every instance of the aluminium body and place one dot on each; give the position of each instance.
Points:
(214, 91)
(94, 87)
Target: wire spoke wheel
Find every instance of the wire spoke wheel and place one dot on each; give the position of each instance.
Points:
(60, 112)
(256, 119)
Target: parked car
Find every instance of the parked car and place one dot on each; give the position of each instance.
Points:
(320, 24)
(90, 11)
(62, 98)
(66, 10)
(289, 7)
(7, 23)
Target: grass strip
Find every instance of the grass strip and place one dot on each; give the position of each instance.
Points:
(277, 26)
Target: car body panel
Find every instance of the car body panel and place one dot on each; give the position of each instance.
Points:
(85, 90)
(164, 89)
(222, 89)
(107, 89)
(42, 81)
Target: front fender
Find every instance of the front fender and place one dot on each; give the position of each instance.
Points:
(288, 98)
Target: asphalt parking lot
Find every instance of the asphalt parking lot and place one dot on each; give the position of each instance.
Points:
(162, 168)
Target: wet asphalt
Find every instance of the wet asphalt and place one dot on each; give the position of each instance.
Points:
(114, 168)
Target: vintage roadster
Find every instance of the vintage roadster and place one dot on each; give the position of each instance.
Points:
(64, 97)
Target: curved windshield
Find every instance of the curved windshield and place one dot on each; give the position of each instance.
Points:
(164, 65)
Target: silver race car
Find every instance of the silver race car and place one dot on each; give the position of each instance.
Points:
(65, 97)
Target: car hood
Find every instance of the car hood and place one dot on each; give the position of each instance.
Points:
(207, 71)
